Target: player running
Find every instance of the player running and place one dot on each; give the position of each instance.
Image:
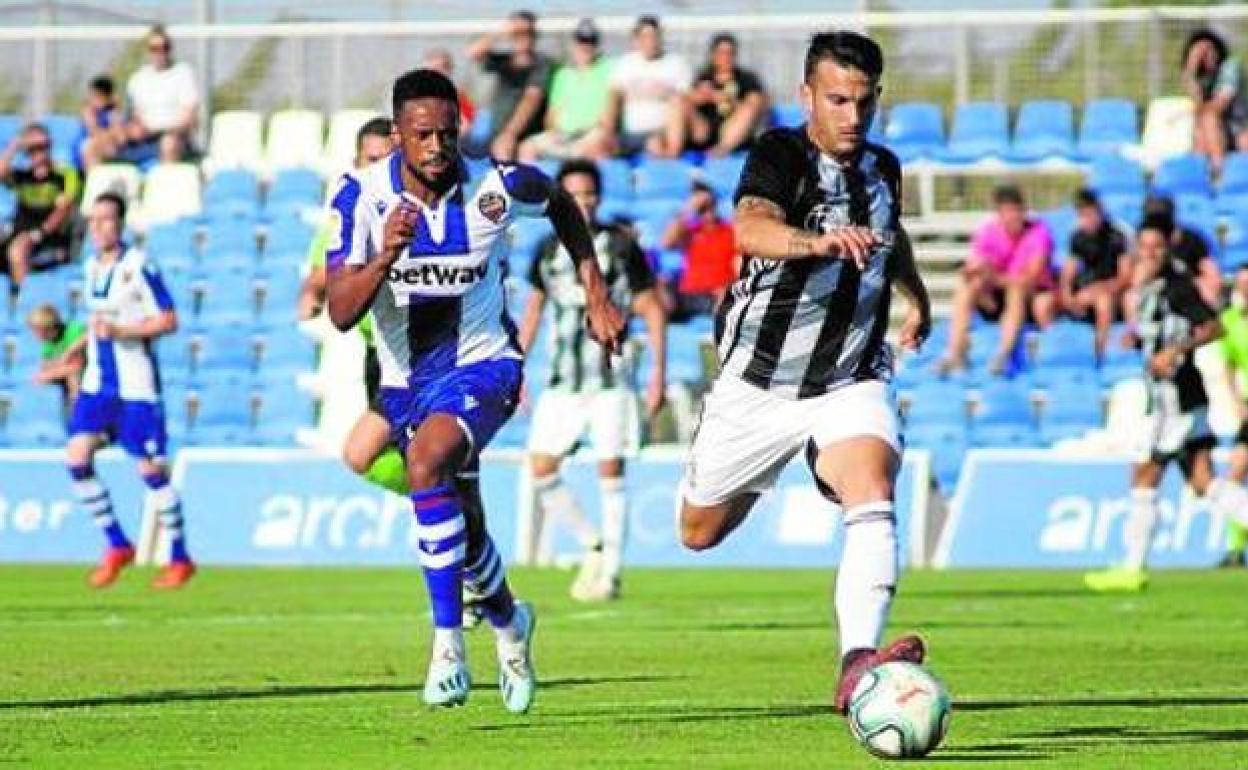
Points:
(422, 245)
(1234, 349)
(585, 391)
(120, 397)
(1172, 322)
(803, 360)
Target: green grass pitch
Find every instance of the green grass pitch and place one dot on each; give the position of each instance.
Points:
(320, 668)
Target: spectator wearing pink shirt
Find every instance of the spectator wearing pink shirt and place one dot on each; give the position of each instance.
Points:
(1008, 274)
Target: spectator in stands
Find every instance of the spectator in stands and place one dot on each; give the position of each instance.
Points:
(578, 99)
(1008, 275)
(440, 60)
(39, 238)
(1214, 80)
(64, 352)
(102, 121)
(710, 261)
(374, 141)
(1095, 277)
(726, 105)
(163, 103)
(1189, 250)
(519, 102)
(648, 86)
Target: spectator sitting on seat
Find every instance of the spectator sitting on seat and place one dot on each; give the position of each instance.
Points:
(727, 102)
(1096, 275)
(64, 353)
(1189, 250)
(1214, 80)
(440, 60)
(46, 192)
(710, 261)
(1007, 275)
(102, 121)
(163, 104)
(519, 102)
(647, 91)
(578, 98)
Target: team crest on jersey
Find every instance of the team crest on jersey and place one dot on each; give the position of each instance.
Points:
(826, 217)
(493, 206)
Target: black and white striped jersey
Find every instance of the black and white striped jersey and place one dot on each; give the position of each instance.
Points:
(577, 362)
(1169, 310)
(801, 328)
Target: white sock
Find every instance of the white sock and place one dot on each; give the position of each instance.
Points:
(867, 577)
(509, 635)
(555, 497)
(448, 639)
(1228, 499)
(614, 525)
(1137, 534)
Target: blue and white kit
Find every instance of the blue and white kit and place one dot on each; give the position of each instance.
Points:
(444, 339)
(120, 396)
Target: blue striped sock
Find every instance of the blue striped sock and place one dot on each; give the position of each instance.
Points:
(94, 498)
(442, 537)
(486, 577)
(169, 510)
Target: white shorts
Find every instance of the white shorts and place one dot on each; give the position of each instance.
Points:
(561, 419)
(1171, 434)
(747, 435)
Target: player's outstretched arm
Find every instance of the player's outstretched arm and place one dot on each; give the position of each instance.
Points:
(763, 234)
(918, 324)
(606, 322)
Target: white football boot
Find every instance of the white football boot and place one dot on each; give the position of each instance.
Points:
(517, 681)
(585, 587)
(448, 681)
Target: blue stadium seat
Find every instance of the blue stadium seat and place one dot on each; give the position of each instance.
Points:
(789, 115)
(980, 131)
(1108, 125)
(937, 402)
(293, 190)
(1114, 174)
(723, 174)
(1004, 435)
(1200, 213)
(174, 352)
(224, 348)
(1233, 187)
(35, 416)
(661, 210)
(1235, 245)
(947, 444)
(171, 243)
(1045, 128)
(223, 415)
(233, 191)
(617, 178)
(1069, 412)
(287, 240)
(285, 346)
(279, 295)
(527, 235)
(615, 209)
(915, 130)
(479, 132)
(1003, 402)
(66, 132)
(1061, 223)
(10, 125)
(1183, 175)
(282, 409)
(663, 178)
(1066, 344)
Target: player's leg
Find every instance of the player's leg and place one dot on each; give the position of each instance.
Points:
(94, 498)
(1137, 532)
(1236, 533)
(559, 420)
(1227, 499)
(368, 452)
(141, 432)
(615, 427)
(485, 578)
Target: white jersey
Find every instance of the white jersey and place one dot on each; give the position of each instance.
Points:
(443, 304)
(124, 292)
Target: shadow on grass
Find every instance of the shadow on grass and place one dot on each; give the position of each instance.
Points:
(1093, 701)
(157, 697)
(668, 716)
(1076, 736)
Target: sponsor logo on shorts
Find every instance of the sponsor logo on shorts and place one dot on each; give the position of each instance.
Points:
(493, 206)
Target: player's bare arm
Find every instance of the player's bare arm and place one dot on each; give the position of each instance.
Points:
(150, 328)
(763, 234)
(352, 288)
(918, 323)
(648, 306)
(606, 322)
(532, 318)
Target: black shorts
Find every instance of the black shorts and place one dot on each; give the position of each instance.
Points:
(1241, 435)
(372, 379)
(994, 315)
(51, 252)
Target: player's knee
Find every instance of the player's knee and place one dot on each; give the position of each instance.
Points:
(697, 532)
(355, 460)
(423, 473)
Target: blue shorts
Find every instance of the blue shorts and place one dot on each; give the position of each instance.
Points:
(480, 396)
(139, 426)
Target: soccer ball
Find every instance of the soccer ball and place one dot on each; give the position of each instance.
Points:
(899, 710)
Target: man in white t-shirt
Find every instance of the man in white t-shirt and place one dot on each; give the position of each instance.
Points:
(163, 105)
(647, 85)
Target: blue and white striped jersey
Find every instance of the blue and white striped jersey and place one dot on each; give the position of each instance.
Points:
(124, 292)
(443, 304)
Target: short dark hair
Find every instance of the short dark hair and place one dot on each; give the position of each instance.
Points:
(35, 125)
(1159, 207)
(846, 48)
(377, 126)
(1160, 223)
(1205, 35)
(646, 20)
(580, 166)
(115, 199)
(1086, 198)
(524, 15)
(422, 84)
(1007, 194)
(102, 84)
(723, 37)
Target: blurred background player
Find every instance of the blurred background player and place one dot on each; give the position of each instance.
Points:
(588, 393)
(1172, 322)
(422, 245)
(62, 355)
(129, 308)
(1095, 277)
(1234, 349)
(46, 194)
(1215, 82)
(1007, 278)
(804, 365)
